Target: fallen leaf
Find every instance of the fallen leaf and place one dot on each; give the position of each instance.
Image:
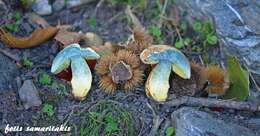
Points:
(239, 78)
(37, 37)
(66, 37)
(107, 49)
(92, 39)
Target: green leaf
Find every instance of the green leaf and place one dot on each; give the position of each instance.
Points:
(26, 62)
(196, 48)
(206, 27)
(17, 16)
(187, 41)
(184, 26)
(92, 22)
(239, 81)
(44, 78)
(179, 44)
(111, 126)
(11, 27)
(211, 39)
(48, 109)
(60, 88)
(197, 26)
(155, 32)
(169, 131)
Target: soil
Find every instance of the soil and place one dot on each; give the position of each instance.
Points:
(135, 102)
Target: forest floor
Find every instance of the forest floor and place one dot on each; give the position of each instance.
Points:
(121, 113)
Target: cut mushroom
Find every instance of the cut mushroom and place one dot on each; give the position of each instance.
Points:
(166, 59)
(81, 75)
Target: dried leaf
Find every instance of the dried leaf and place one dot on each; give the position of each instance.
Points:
(107, 49)
(139, 41)
(91, 39)
(37, 37)
(66, 38)
(239, 78)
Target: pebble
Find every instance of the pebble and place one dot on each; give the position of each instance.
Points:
(190, 121)
(42, 7)
(59, 5)
(2, 6)
(75, 3)
(29, 95)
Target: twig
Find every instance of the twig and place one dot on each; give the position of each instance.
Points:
(10, 55)
(251, 76)
(162, 13)
(174, 25)
(201, 60)
(253, 79)
(135, 20)
(142, 127)
(156, 121)
(98, 6)
(70, 114)
(208, 102)
(112, 19)
(221, 50)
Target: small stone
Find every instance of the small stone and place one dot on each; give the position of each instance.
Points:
(192, 122)
(42, 7)
(75, 3)
(29, 95)
(59, 5)
(2, 6)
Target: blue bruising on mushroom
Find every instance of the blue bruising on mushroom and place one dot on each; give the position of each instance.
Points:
(180, 64)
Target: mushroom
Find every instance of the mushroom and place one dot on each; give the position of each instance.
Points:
(166, 59)
(81, 75)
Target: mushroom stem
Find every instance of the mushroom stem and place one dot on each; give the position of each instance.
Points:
(81, 77)
(157, 84)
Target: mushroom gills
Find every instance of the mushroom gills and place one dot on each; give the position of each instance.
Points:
(81, 77)
(157, 85)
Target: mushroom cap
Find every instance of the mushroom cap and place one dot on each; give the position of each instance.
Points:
(63, 58)
(160, 53)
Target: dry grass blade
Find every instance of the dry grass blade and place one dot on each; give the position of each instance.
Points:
(10, 55)
(175, 16)
(175, 19)
(162, 13)
(134, 19)
(37, 37)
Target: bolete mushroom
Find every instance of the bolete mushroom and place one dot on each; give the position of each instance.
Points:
(81, 75)
(166, 59)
